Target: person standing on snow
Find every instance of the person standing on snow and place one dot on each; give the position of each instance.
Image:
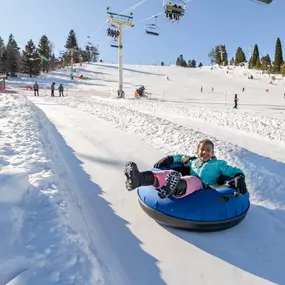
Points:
(236, 101)
(52, 89)
(36, 89)
(60, 90)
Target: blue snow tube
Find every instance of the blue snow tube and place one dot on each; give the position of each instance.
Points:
(204, 210)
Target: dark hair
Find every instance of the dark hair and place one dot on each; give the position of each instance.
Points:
(205, 141)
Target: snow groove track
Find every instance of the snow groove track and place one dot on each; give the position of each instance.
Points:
(170, 137)
(265, 127)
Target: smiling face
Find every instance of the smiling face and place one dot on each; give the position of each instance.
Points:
(205, 151)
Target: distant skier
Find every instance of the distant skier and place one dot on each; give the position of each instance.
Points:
(60, 90)
(36, 89)
(201, 88)
(235, 101)
(243, 89)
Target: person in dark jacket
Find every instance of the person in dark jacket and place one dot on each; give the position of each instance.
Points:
(36, 89)
(60, 90)
(235, 101)
(52, 89)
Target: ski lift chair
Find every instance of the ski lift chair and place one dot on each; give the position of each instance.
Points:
(265, 1)
(114, 43)
(178, 9)
(151, 29)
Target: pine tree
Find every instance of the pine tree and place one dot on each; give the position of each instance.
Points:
(94, 53)
(71, 41)
(258, 64)
(31, 59)
(13, 56)
(225, 56)
(278, 60)
(218, 57)
(2, 46)
(44, 51)
(268, 60)
(87, 54)
(184, 63)
(181, 62)
(2, 56)
(193, 63)
(250, 65)
(200, 64)
(255, 56)
(283, 69)
(65, 59)
(221, 55)
(266, 63)
(53, 62)
(72, 46)
(240, 56)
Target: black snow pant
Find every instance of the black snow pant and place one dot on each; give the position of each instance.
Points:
(36, 92)
(52, 93)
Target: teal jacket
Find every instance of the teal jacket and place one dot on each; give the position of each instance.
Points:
(208, 171)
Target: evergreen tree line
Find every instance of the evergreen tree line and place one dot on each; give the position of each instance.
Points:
(41, 58)
(191, 63)
(218, 55)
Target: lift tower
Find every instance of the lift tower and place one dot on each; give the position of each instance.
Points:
(120, 21)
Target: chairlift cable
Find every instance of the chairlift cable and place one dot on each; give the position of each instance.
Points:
(134, 6)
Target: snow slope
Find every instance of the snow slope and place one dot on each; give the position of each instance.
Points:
(90, 136)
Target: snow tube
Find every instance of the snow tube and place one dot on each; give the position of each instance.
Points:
(204, 210)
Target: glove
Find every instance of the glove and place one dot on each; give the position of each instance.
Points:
(164, 162)
(186, 158)
(239, 183)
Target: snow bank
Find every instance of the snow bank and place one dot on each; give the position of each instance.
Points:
(38, 243)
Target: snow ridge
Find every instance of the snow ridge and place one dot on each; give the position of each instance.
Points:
(265, 127)
(42, 238)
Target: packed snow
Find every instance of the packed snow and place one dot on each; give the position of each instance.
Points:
(66, 217)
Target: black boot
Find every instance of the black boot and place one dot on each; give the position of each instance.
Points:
(174, 186)
(135, 178)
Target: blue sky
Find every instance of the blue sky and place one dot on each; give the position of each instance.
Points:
(206, 23)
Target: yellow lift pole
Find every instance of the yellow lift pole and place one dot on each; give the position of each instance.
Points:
(120, 21)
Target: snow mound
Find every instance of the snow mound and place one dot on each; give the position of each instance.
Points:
(38, 243)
